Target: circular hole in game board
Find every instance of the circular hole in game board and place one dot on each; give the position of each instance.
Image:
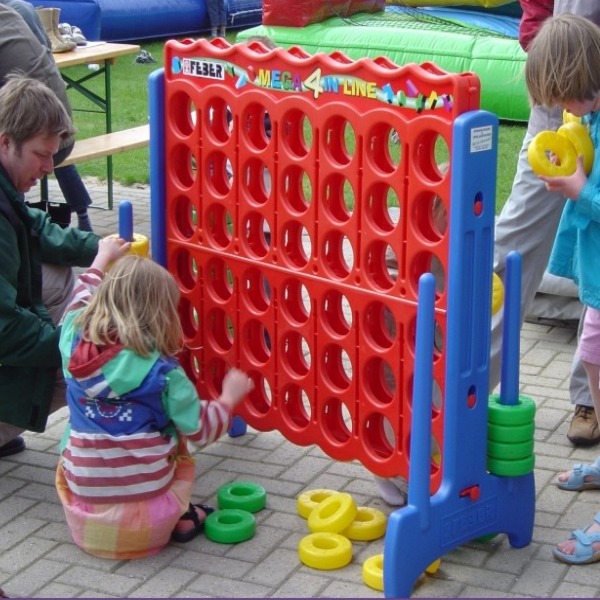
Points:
(382, 207)
(339, 141)
(219, 330)
(338, 198)
(214, 372)
(431, 155)
(218, 225)
(436, 396)
(338, 254)
(183, 111)
(185, 269)
(296, 133)
(255, 346)
(256, 126)
(296, 409)
(216, 174)
(260, 398)
(438, 338)
(218, 280)
(295, 353)
(218, 120)
(379, 325)
(253, 229)
(296, 244)
(337, 420)
(336, 367)
(430, 217)
(183, 166)
(427, 262)
(378, 435)
(188, 316)
(256, 182)
(385, 148)
(379, 380)
(184, 216)
(337, 313)
(378, 255)
(256, 290)
(296, 189)
(295, 302)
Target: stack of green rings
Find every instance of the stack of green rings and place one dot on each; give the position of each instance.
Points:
(510, 436)
(234, 521)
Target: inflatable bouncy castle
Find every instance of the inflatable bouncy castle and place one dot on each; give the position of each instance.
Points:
(130, 20)
(480, 36)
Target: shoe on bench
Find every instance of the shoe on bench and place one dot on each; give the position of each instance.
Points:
(584, 429)
(15, 446)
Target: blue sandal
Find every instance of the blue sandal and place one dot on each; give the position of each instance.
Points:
(584, 551)
(582, 477)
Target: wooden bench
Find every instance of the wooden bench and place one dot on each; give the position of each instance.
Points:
(108, 144)
(101, 146)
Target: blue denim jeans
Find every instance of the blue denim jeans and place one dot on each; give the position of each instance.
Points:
(70, 182)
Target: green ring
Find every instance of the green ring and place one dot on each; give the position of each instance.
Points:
(511, 414)
(243, 495)
(230, 526)
(511, 468)
(511, 434)
(508, 450)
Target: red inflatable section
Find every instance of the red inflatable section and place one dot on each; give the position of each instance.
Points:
(305, 12)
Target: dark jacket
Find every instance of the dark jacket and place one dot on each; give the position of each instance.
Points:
(29, 355)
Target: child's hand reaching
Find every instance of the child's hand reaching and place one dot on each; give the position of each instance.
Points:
(109, 249)
(236, 384)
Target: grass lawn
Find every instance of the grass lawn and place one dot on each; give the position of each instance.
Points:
(130, 108)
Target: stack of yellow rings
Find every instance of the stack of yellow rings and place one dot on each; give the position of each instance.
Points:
(570, 141)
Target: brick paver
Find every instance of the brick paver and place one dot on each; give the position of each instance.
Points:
(38, 559)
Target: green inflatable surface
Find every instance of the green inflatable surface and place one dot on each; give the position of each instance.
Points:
(498, 61)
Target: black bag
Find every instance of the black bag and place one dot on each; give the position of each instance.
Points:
(60, 212)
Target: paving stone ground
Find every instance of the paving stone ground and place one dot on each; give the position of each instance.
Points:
(38, 558)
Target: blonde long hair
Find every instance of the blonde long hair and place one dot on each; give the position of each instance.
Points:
(136, 305)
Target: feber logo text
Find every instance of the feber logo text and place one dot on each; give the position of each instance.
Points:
(203, 68)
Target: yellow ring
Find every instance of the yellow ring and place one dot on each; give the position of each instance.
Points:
(369, 524)
(432, 569)
(307, 501)
(372, 572)
(559, 145)
(578, 135)
(333, 515)
(497, 293)
(139, 246)
(325, 551)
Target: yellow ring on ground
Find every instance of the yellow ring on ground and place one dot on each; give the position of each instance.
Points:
(369, 524)
(497, 293)
(578, 135)
(559, 145)
(372, 572)
(432, 569)
(307, 501)
(325, 551)
(333, 515)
